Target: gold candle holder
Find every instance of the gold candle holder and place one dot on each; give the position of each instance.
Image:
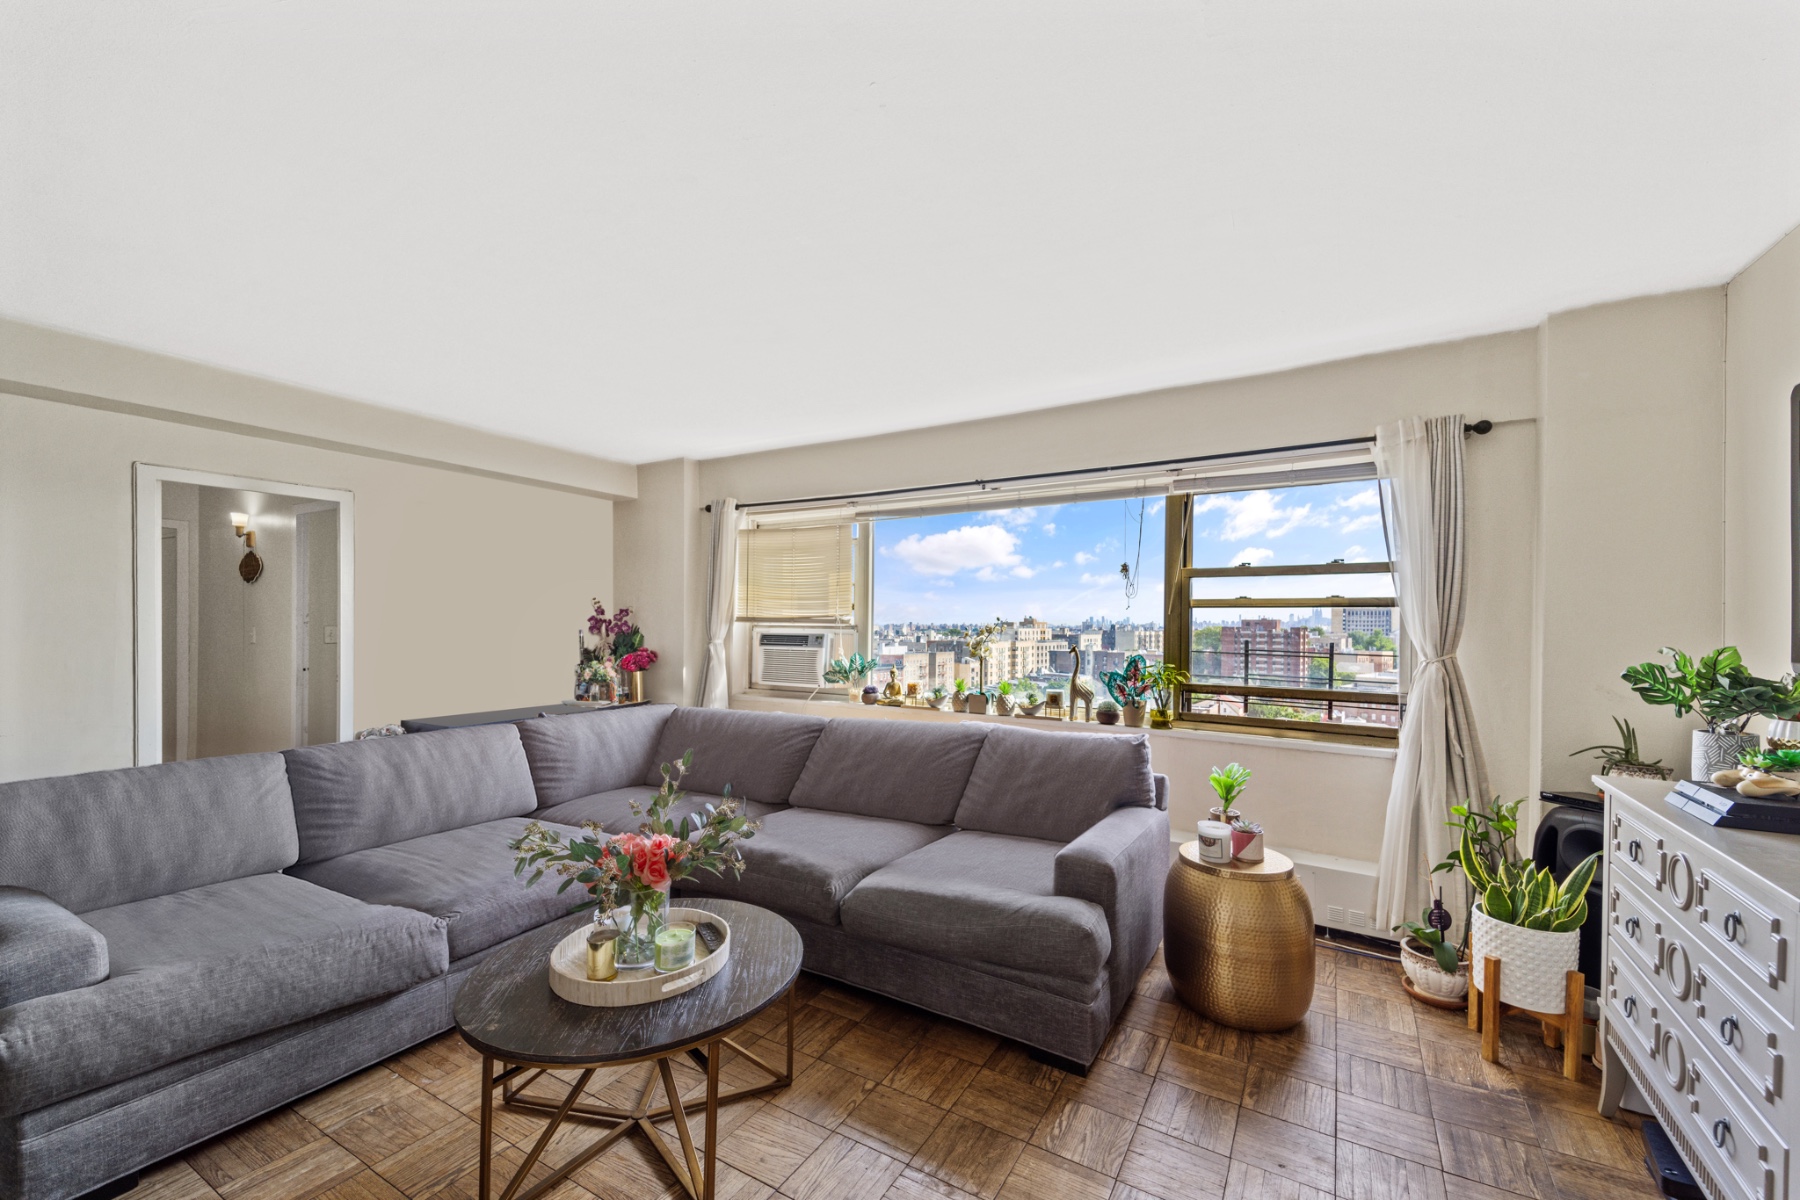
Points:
(602, 964)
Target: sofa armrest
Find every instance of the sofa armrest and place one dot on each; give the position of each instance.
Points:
(1121, 864)
(45, 948)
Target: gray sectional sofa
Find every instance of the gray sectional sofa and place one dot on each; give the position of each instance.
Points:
(184, 947)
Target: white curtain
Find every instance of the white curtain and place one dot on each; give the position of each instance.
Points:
(1440, 761)
(721, 607)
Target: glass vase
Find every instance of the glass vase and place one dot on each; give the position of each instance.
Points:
(639, 923)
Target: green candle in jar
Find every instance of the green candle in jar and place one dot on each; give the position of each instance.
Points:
(674, 946)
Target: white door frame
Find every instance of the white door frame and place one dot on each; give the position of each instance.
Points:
(303, 632)
(146, 572)
(184, 608)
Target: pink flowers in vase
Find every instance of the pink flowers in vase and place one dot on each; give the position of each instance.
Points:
(637, 660)
(620, 642)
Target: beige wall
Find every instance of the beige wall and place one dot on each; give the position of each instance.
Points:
(468, 588)
(1762, 368)
(1630, 494)
(656, 535)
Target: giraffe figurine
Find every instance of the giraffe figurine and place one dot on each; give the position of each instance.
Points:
(1080, 690)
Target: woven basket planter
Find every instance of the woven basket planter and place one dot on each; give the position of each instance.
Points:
(1534, 963)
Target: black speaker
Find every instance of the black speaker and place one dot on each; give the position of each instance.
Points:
(1568, 835)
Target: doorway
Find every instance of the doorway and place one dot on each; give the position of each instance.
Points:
(243, 614)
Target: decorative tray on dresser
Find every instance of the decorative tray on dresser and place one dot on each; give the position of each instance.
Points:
(1697, 989)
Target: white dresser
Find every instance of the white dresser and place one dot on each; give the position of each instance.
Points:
(1697, 988)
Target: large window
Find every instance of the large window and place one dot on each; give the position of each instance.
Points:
(1051, 577)
(1282, 610)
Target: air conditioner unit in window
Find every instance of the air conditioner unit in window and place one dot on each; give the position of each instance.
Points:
(789, 658)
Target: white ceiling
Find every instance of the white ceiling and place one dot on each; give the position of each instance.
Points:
(648, 228)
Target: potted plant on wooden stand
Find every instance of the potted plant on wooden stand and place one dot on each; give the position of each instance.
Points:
(1722, 691)
(1623, 759)
(1524, 934)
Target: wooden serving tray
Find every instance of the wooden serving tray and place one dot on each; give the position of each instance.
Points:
(638, 985)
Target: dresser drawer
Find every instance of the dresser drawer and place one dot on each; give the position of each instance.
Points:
(1635, 928)
(1744, 1039)
(1637, 849)
(1633, 1007)
(1747, 1156)
(1747, 932)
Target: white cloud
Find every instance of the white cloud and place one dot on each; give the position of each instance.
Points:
(1254, 513)
(1050, 529)
(1023, 572)
(1256, 556)
(1059, 563)
(970, 548)
(1367, 498)
(1356, 554)
(1366, 521)
(1083, 558)
(1088, 578)
(1017, 516)
(1154, 508)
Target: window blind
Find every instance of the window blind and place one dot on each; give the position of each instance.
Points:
(795, 573)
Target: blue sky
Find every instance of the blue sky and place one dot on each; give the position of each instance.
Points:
(1061, 562)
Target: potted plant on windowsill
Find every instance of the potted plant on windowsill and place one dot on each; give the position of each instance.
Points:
(1004, 696)
(1128, 688)
(959, 695)
(1107, 712)
(851, 672)
(976, 702)
(1164, 679)
(1623, 759)
(1032, 702)
(939, 699)
(1723, 693)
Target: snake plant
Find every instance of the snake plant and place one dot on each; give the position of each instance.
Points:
(1514, 892)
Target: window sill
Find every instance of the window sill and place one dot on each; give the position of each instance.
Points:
(771, 701)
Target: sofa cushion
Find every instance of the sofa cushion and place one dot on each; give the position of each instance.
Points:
(109, 837)
(202, 968)
(982, 898)
(1053, 786)
(350, 796)
(758, 755)
(579, 754)
(902, 770)
(804, 861)
(612, 810)
(44, 947)
(464, 876)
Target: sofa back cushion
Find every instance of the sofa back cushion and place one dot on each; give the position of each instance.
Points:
(351, 796)
(1054, 786)
(903, 770)
(759, 755)
(583, 753)
(111, 837)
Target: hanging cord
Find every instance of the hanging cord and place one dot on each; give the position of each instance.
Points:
(1129, 570)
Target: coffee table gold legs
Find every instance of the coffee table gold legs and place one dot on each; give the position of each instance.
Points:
(694, 1172)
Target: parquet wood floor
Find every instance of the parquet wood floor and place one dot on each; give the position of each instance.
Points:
(1373, 1097)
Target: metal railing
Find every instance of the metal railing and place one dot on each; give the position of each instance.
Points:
(1256, 683)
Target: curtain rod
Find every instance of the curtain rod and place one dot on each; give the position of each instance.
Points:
(1482, 426)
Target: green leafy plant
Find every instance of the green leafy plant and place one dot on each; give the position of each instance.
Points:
(1004, 687)
(1447, 954)
(960, 685)
(1625, 754)
(1716, 686)
(1107, 705)
(1508, 890)
(938, 693)
(1229, 782)
(1771, 760)
(1164, 679)
(850, 670)
(1033, 695)
(1130, 685)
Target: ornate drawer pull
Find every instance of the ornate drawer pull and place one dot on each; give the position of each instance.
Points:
(1630, 1007)
(1721, 1129)
(1634, 850)
(1631, 926)
(1732, 924)
(1728, 1030)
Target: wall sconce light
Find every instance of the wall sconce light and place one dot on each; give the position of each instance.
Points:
(250, 567)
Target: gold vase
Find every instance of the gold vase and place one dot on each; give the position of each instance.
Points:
(1238, 940)
(631, 690)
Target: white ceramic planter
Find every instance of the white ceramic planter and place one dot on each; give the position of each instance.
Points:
(1422, 969)
(1718, 752)
(1534, 964)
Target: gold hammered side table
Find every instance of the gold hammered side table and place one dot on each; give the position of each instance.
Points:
(1238, 940)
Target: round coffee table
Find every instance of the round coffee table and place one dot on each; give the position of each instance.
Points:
(1238, 940)
(506, 1010)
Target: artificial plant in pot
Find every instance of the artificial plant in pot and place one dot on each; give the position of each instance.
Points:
(1164, 679)
(1107, 712)
(1522, 915)
(1435, 965)
(959, 695)
(1003, 692)
(1763, 773)
(939, 698)
(1228, 783)
(1723, 692)
(1623, 758)
(976, 701)
(1129, 687)
(1032, 702)
(851, 672)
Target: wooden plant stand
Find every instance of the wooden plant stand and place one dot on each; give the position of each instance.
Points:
(1485, 1011)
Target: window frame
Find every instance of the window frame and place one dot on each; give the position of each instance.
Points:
(1178, 639)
